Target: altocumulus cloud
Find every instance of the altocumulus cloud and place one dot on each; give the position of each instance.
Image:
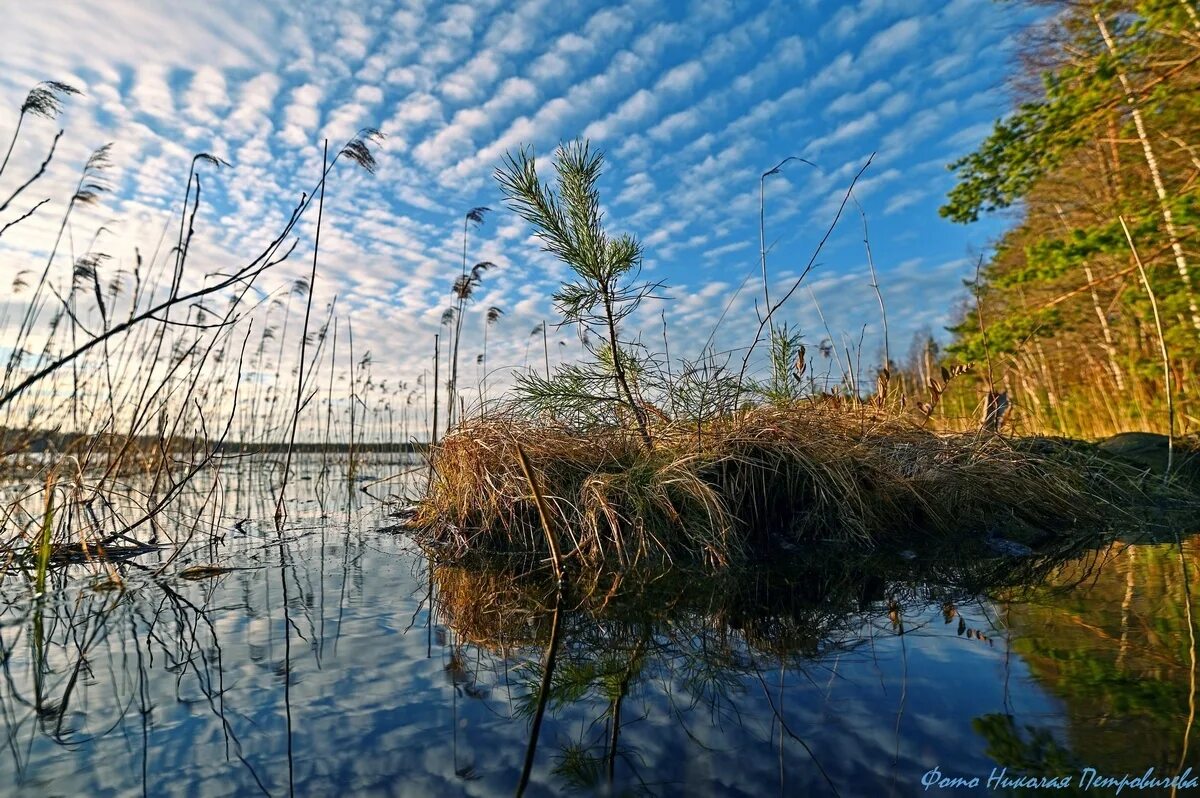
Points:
(691, 101)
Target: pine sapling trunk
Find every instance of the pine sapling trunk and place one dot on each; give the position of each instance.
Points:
(639, 414)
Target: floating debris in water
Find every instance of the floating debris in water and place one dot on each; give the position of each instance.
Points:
(203, 571)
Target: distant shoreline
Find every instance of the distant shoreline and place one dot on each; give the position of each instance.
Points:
(16, 442)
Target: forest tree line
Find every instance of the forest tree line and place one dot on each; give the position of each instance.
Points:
(1071, 313)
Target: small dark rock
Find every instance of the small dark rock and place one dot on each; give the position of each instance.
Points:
(1150, 450)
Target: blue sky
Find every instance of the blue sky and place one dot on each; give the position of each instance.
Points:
(691, 102)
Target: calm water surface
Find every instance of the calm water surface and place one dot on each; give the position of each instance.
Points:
(317, 664)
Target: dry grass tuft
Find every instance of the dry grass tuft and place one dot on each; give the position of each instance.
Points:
(764, 479)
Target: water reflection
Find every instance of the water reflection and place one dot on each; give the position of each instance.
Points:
(749, 655)
(332, 658)
(1120, 653)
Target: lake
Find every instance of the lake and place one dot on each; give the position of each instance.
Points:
(333, 658)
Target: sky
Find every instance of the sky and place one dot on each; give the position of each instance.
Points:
(690, 102)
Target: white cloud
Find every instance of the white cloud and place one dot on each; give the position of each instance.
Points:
(897, 38)
(355, 36)
(681, 79)
(206, 96)
(150, 94)
(847, 130)
(473, 78)
(302, 115)
(899, 202)
(368, 95)
(255, 101)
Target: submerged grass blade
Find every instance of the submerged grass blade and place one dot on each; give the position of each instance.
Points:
(47, 531)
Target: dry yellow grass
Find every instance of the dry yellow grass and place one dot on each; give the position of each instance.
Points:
(759, 480)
